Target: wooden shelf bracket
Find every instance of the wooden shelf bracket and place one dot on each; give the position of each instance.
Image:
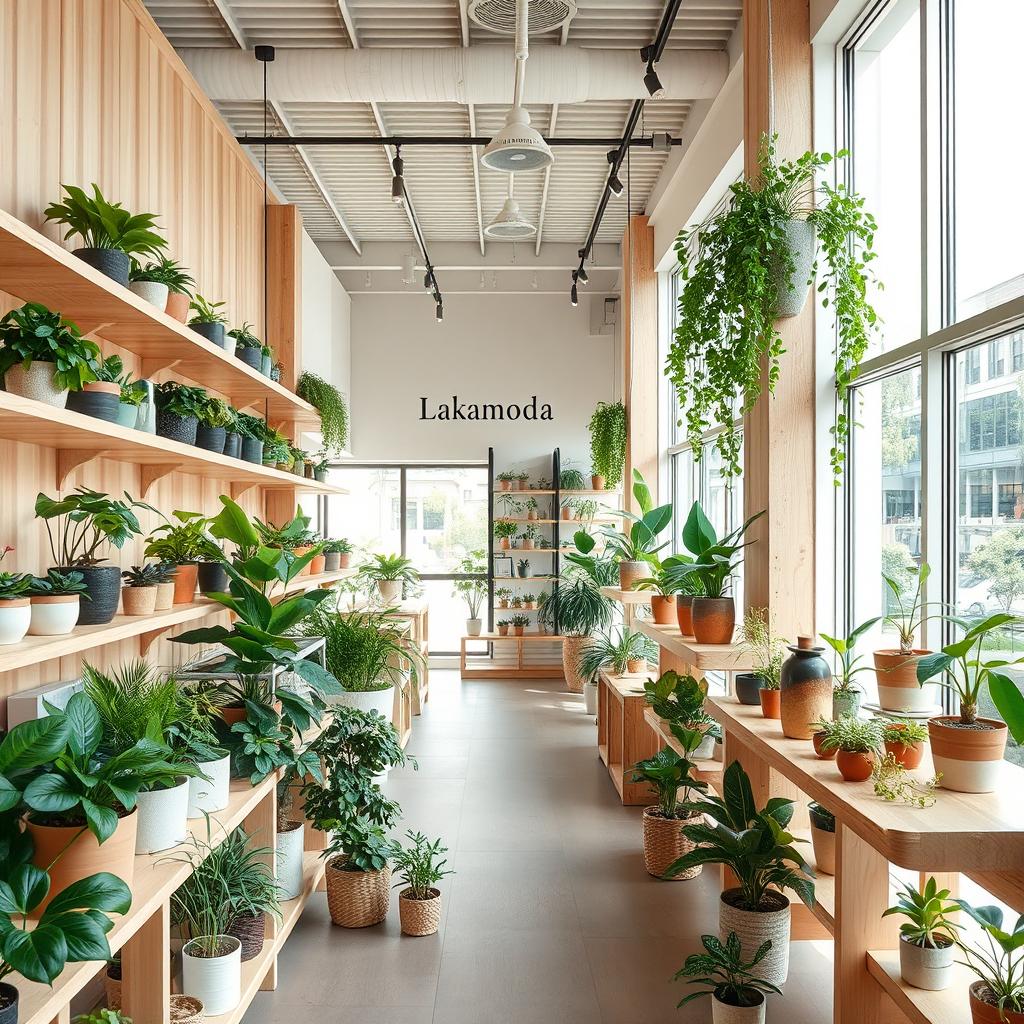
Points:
(150, 473)
(69, 459)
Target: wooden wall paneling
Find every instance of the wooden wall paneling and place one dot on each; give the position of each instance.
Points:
(284, 289)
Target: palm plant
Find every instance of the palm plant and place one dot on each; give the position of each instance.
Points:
(389, 568)
(615, 648)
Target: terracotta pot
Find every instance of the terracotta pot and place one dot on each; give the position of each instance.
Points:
(806, 687)
(505, 485)
(177, 306)
(572, 647)
(138, 600)
(684, 614)
(826, 755)
(898, 688)
(771, 701)
(636, 666)
(505, 544)
(714, 619)
(663, 609)
(503, 631)
(983, 1012)
(527, 544)
(165, 595)
(908, 756)
(298, 552)
(346, 560)
(318, 565)
(419, 917)
(664, 844)
(970, 759)
(84, 856)
(597, 482)
(185, 581)
(567, 513)
(854, 766)
(518, 630)
(630, 572)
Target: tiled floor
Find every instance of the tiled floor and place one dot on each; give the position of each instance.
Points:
(550, 918)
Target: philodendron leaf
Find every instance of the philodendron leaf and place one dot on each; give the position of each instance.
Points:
(39, 955)
(32, 744)
(1009, 702)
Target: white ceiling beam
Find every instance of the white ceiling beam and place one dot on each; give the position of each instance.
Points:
(350, 25)
(547, 182)
(230, 24)
(475, 156)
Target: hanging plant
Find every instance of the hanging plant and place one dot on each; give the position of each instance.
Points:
(332, 407)
(608, 441)
(741, 271)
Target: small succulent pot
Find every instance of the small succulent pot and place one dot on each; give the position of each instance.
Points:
(826, 755)
(854, 765)
(663, 609)
(771, 703)
(806, 686)
(630, 572)
(15, 618)
(212, 578)
(100, 399)
(127, 415)
(36, 383)
(54, 614)
(232, 444)
(908, 755)
(714, 620)
(210, 439)
(597, 482)
(177, 306)
(250, 356)
(103, 585)
(252, 451)
(165, 596)
(927, 967)
(213, 333)
(8, 1004)
(845, 702)
(748, 688)
(176, 428)
(111, 262)
(138, 600)
(185, 580)
(419, 917)
(684, 614)
(152, 292)
(502, 630)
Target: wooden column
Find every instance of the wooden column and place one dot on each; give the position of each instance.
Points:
(642, 377)
(146, 970)
(284, 289)
(779, 433)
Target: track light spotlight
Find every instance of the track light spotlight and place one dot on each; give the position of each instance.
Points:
(614, 184)
(582, 276)
(398, 180)
(427, 279)
(574, 295)
(439, 316)
(653, 83)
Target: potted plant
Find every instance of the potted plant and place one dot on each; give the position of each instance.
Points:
(905, 740)
(184, 541)
(321, 467)
(138, 594)
(15, 607)
(420, 866)
(56, 600)
(769, 694)
(339, 554)
(846, 696)
(823, 729)
(762, 855)
(517, 601)
(737, 995)
(176, 282)
(298, 460)
(622, 649)
(194, 732)
(248, 348)
(177, 411)
(332, 407)
(253, 431)
(391, 574)
(111, 234)
(531, 507)
(823, 837)
(663, 597)
(132, 394)
(276, 372)
(503, 626)
(86, 521)
(163, 573)
(266, 359)
(474, 590)
(289, 858)
(101, 396)
(232, 435)
(927, 937)
(519, 624)
(668, 773)
(528, 537)
(522, 481)
(997, 997)
(856, 744)
(679, 700)
(575, 610)
(208, 321)
(44, 356)
(607, 444)
(505, 530)
(571, 479)
(758, 639)
(763, 244)
(567, 509)
(214, 417)
(530, 602)
(148, 283)
(505, 480)
(968, 750)
(896, 670)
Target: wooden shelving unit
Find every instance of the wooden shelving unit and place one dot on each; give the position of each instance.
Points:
(950, 1006)
(517, 671)
(709, 771)
(683, 653)
(623, 735)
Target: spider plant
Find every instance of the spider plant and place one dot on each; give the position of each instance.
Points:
(578, 607)
(615, 648)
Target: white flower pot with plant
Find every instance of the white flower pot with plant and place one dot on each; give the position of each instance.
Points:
(210, 790)
(290, 850)
(163, 817)
(152, 292)
(212, 972)
(389, 574)
(927, 937)
(56, 603)
(420, 865)
(823, 838)
(473, 591)
(15, 607)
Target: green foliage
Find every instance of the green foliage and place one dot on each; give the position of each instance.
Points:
(725, 974)
(908, 733)
(389, 568)
(766, 649)
(102, 1015)
(215, 412)
(205, 312)
(14, 585)
(821, 817)
(854, 735)
(927, 924)
(614, 649)
(164, 271)
(55, 584)
(180, 399)
(186, 540)
(522, 621)
(35, 334)
(109, 369)
(252, 427)
(331, 405)
(848, 666)
(641, 543)
(608, 441)
(732, 270)
(909, 616)
(1001, 964)
(421, 865)
(104, 225)
(668, 772)
(570, 479)
(504, 529)
(244, 336)
(893, 783)
(678, 698)
(87, 520)
(472, 592)
(1000, 560)
(577, 606)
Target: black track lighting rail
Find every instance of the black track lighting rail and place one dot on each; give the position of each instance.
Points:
(658, 140)
(399, 195)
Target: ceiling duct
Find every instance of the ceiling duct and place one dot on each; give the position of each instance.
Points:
(500, 15)
(510, 225)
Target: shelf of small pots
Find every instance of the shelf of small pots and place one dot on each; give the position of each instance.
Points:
(420, 866)
(927, 937)
(248, 348)
(79, 526)
(177, 411)
(44, 356)
(856, 743)
(214, 418)
(183, 542)
(506, 480)
(905, 740)
(847, 693)
(731, 979)
(997, 997)
(757, 910)
(139, 589)
(823, 837)
(208, 322)
(15, 607)
(56, 602)
(100, 397)
(253, 432)
(112, 235)
(757, 637)
(164, 284)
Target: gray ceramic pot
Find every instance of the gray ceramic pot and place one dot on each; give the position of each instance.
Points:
(266, 364)
(332, 561)
(251, 357)
(211, 332)
(232, 444)
(101, 405)
(747, 688)
(210, 439)
(112, 262)
(845, 702)
(103, 585)
(213, 578)
(793, 291)
(127, 414)
(177, 428)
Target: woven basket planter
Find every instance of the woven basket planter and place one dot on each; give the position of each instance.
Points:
(756, 927)
(419, 917)
(357, 899)
(664, 844)
(186, 1010)
(571, 649)
(250, 932)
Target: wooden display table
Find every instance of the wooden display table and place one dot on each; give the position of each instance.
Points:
(517, 671)
(623, 735)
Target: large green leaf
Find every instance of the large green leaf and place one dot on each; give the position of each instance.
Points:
(738, 796)
(698, 533)
(204, 635)
(102, 821)
(29, 886)
(51, 794)
(1009, 702)
(318, 677)
(85, 726)
(32, 744)
(232, 524)
(931, 665)
(39, 955)
(84, 935)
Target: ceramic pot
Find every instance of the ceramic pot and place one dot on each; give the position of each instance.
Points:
(572, 648)
(145, 412)
(805, 688)
(382, 701)
(251, 932)
(127, 415)
(502, 630)
(266, 364)
(317, 564)
(925, 967)
(826, 755)
(898, 688)
(747, 688)
(590, 698)
(232, 444)
(823, 840)
(212, 578)
(8, 1004)
(908, 756)
(504, 485)
(332, 561)
(474, 627)
(390, 590)
(99, 398)
(54, 614)
(755, 927)
(792, 290)
(164, 596)
(663, 609)
(213, 792)
(163, 818)
(176, 428)
(138, 600)
(80, 855)
(567, 512)
(210, 439)
(714, 619)
(985, 1012)
(526, 544)
(770, 703)
(250, 356)
(111, 262)
(152, 292)
(185, 580)
(346, 560)
(419, 917)
(684, 614)
(36, 383)
(103, 585)
(845, 702)
(216, 980)
(518, 630)
(289, 844)
(213, 333)
(970, 759)
(357, 899)
(177, 306)
(630, 572)
(854, 766)
(252, 451)
(15, 618)
(597, 482)
(726, 1013)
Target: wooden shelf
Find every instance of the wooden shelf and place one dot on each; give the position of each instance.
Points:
(709, 770)
(551, 522)
(35, 268)
(489, 637)
(627, 596)
(564, 493)
(480, 668)
(950, 1006)
(78, 439)
(702, 657)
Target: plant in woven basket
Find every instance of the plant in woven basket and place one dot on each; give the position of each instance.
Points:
(725, 974)
(330, 404)
(608, 441)
(420, 866)
(668, 772)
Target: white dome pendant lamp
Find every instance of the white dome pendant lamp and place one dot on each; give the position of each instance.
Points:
(510, 225)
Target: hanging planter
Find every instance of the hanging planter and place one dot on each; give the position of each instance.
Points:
(607, 444)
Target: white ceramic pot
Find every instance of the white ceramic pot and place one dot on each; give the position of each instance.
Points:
(930, 969)
(705, 749)
(152, 292)
(793, 291)
(755, 927)
(15, 617)
(381, 701)
(390, 590)
(590, 697)
(216, 980)
(213, 792)
(54, 614)
(474, 627)
(37, 383)
(289, 862)
(163, 818)
(723, 1013)
(824, 844)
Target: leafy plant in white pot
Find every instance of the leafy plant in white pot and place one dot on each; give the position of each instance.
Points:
(927, 937)
(15, 607)
(473, 591)
(56, 599)
(391, 574)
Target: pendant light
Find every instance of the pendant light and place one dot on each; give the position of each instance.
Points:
(510, 224)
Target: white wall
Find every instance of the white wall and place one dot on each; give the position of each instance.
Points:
(491, 348)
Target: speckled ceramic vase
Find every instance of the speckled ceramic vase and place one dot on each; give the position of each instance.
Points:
(806, 689)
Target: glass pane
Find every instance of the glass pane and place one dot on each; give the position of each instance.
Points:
(368, 515)
(886, 148)
(448, 616)
(885, 519)
(451, 519)
(989, 574)
(989, 259)
(682, 495)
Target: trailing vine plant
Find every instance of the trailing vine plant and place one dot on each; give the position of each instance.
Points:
(727, 346)
(608, 441)
(331, 405)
